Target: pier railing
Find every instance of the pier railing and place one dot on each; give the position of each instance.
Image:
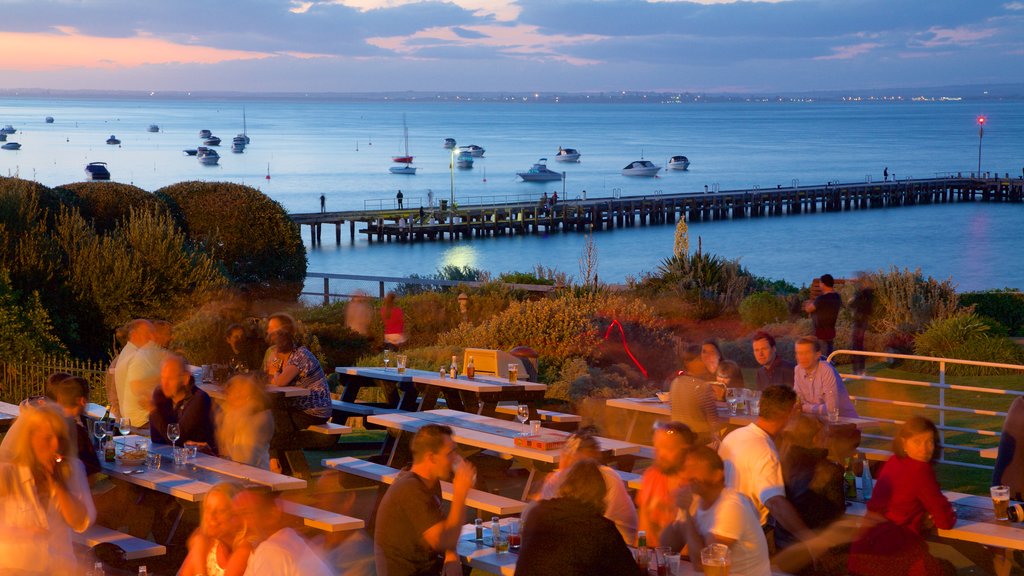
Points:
(952, 403)
(326, 295)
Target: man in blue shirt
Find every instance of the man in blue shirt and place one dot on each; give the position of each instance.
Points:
(819, 388)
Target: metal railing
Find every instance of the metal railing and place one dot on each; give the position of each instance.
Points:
(325, 295)
(20, 379)
(942, 407)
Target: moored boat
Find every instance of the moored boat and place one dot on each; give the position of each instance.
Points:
(464, 160)
(567, 155)
(678, 163)
(540, 172)
(7, 129)
(113, 141)
(205, 134)
(449, 143)
(48, 119)
(474, 150)
(190, 151)
(407, 158)
(407, 169)
(11, 146)
(641, 168)
(153, 128)
(212, 141)
(207, 156)
(97, 171)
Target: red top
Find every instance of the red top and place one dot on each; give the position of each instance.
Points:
(394, 323)
(906, 491)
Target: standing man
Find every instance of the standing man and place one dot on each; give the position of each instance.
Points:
(655, 502)
(430, 198)
(862, 306)
(885, 174)
(140, 332)
(817, 384)
(141, 377)
(399, 197)
(412, 536)
(323, 203)
(773, 371)
(753, 467)
(824, 311)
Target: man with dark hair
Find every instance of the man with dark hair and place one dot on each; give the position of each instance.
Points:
(824, 311)
(710, 513)
(862, 306)
(752, 465)
(774, 370)
(412, 536)
(178, 401)
(656, 506)
(72, 394)
(162, 333)
(817, 384)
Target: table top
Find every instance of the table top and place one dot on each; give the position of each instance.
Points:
(655, 406)
(8, 411)
(236, 471)
(188, 483)
(379, 373)
(489, 433)
(216, 391)
(480, 383)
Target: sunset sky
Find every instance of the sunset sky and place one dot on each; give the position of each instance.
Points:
(508, 45)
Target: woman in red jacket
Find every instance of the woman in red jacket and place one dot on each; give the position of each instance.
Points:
(907, 499)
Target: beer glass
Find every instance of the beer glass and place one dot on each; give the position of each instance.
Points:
(1000, 500)
(716, 560)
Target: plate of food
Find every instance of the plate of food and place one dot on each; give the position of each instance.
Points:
(132, 456)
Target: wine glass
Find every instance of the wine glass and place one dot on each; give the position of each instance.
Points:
(387, 358)
(99, 431)
(125, 426)
(173, 433)
(523, 414)
(732, 399)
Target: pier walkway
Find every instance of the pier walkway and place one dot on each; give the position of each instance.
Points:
(524, 215)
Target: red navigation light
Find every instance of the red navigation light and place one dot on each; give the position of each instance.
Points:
(981, 119)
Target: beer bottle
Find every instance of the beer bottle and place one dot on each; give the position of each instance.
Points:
(453, 370)
(470, 369)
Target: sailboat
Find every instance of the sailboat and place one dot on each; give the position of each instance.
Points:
(244, 136)
(407, 159)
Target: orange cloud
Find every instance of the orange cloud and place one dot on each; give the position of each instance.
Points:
(67, 48)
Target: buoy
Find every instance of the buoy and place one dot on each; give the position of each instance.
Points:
(268, 171)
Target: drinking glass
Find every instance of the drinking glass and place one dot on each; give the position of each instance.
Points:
(152, 461)
(99, 431)
(173, 433)
(1000, 501)
(716, 560)
(180, 456)
(500, 543)
(513, 373)
(125, 426)
(514, 540)
(387, 358)
(523, 414)
(754, 403)
(192, 451)
(400, 363)
(730, 398)
(535, 427)
(661, 554)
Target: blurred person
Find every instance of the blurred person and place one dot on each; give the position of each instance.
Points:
(773, 369)
(138, 332)
(656, 505)
(689, 356)
(729, 375)
(277, 321)
(618, 507)
(109, 381)
(218, 546)
(142, 378)
(162, 330)
(245, 423)
(692, 402)
(862, 307)
(239, 349)
(753, 467)
(814, 484)
(906, 495)
(394, 323)
(297, 366)
(824, 311)
(44, 494)
(359, 313)
(710, 513)
(72, 394)
(711, 356)
(568, 535)
(1009, 468)
(348, 552)
(179, 401)
(412, 536)
(277, 549)
(817, 383)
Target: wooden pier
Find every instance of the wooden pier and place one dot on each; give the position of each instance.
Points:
(508, 218)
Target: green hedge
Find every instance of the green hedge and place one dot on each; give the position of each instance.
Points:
(1004, 306)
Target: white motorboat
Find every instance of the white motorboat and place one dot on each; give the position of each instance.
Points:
(97, 171)
(11, 146)
(567, 155)
(48, 120)
(641, 168)
(678, 163)
(449, 143)
(113, 141)
(204, 134)
(474, 150)
(464, 160)
(207, 156)
(540, 172)
(212, 141)
(407, 169)
(153, 128)
(238, 144)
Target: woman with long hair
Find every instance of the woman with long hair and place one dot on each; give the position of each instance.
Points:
(218, 547)
(44, 494)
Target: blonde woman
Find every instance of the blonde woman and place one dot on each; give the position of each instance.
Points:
(218, 547)
(245, 423)
(44, 494)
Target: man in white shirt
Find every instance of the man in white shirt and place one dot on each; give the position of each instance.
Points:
(710, 513)
(817, 384)
(140, 333)
(752, 465)
(278, 550)
(141, 379)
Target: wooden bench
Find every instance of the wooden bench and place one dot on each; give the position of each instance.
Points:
(631, 479)
(134, 548)
(477, 499)
(321, 519)
(545, 415)
(876, 454)
(330, 428)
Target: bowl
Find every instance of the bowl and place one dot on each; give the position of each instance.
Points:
(663, 396)
(132, 457)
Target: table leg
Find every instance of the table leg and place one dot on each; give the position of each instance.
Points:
(429, 401)
(408, 398)
(632, 425)
(350, 391)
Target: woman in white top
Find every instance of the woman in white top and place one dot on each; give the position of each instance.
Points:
(44, 494)
(218, 547)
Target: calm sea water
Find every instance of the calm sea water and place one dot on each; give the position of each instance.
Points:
(343, 150)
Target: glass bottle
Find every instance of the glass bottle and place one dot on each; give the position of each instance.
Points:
(453, 370)
(850, 480)
(470, 369)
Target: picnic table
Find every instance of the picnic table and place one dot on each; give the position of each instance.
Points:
(399, 390)
(655, 406)
(476, 433)
(216, 391)
(8, 414)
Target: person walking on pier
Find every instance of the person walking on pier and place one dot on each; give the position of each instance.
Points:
(399, 197)
(323, 203)
(885, 174)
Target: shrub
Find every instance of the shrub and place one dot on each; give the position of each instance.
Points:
(763, 308)
(966, 336)
(1006, 306)
(712, 283)
(525, 278)
(907, 301)
(106, 204)
(25, 327)
(260, 247)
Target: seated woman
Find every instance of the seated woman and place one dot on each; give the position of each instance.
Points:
(218, 547)
(711, 355)
(906, 494)
(814, 484)
(44, 494)
(245, 424)
(569, 535)
(693, 404)
(297, 366)
(729, 375)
